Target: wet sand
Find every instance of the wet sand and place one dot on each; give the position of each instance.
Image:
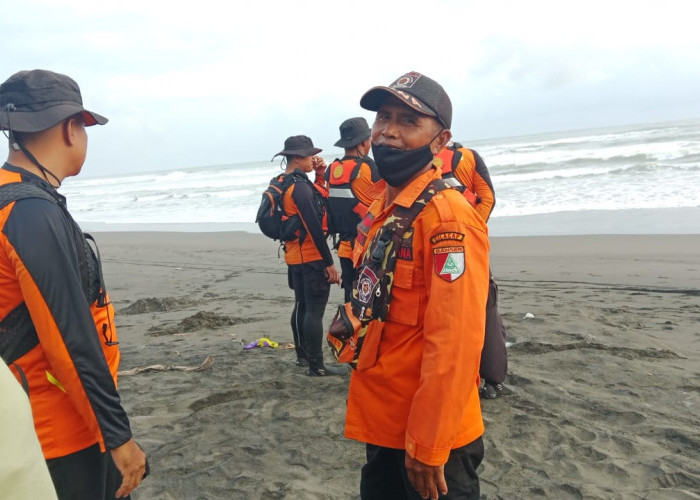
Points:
(605, 376)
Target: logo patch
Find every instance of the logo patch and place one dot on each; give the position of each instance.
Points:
(407, 81)
(449, 235)
(366, 283)
(338, 171)
(449, 262)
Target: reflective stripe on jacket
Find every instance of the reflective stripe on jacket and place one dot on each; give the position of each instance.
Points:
(352, 183)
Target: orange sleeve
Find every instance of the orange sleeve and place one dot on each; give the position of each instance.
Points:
(363, 186)
(473, 174)
(453, 328)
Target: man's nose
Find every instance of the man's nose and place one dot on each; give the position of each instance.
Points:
(389, 129)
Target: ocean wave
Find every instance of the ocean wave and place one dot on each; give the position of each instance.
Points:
(610, 169)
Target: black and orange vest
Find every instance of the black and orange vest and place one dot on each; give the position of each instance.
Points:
(345, 210)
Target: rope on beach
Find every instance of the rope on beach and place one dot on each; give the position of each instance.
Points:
(206, 364)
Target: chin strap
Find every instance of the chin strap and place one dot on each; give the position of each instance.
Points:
(17, 146)
(43, 169)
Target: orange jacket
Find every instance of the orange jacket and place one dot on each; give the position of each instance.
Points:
(421, 394)
(471, 173)
(310, 245)
(71, 356)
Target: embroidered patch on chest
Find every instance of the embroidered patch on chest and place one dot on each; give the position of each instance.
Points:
(366, 283)
(449, 262)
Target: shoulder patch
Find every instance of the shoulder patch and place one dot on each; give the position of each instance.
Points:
(449, 235)
(449, 262)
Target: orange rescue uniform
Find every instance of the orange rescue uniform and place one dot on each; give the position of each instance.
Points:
(310, 245)
(363, 187)
(421, 395)
(471, 172)
(72, 356)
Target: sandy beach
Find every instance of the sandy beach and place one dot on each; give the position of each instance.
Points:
(605, 375)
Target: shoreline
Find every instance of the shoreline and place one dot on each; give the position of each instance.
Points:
(587, 222)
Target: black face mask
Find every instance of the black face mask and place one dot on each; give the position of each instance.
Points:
(396, 166)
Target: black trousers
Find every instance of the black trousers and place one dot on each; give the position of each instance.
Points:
(384, 476)
(494, 356)
(347, 276)
(311, 291)
(85, 474)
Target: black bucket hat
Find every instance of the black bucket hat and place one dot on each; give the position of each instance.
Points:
(299, 145)
(352, 132)
(417, 91)
(36, 100)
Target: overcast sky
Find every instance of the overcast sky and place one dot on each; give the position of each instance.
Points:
(205, 82)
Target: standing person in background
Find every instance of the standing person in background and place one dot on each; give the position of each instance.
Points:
(466, 171)
(414, 395)
(57, 327)
(310, 266)
(351, 183)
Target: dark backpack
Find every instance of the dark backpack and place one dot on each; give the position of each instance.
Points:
(271, 217)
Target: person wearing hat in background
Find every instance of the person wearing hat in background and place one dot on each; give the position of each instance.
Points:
(57, 329)
(351, 190)
(413, 398)
(465, 170)
(310, 266)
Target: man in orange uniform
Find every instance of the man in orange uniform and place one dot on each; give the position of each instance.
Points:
(310, 267)
(57, 329)
(351, 182)
(417, 406)
(466, 171)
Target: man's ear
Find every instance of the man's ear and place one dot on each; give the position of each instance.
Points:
(441, 141)
(366, 146)
(68, 130)
(71, 128)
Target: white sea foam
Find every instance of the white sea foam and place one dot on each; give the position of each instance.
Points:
(635, 167)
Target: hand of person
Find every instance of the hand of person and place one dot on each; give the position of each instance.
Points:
(428, 480)
(319, 164)
(333, 275)
(131, 462)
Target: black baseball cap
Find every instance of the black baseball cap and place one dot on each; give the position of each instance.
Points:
(36, 100)
(417, 91)
(352, 132)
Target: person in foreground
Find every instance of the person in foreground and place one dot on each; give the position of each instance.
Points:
(57, 329)
(311, 270)
(414, 395)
